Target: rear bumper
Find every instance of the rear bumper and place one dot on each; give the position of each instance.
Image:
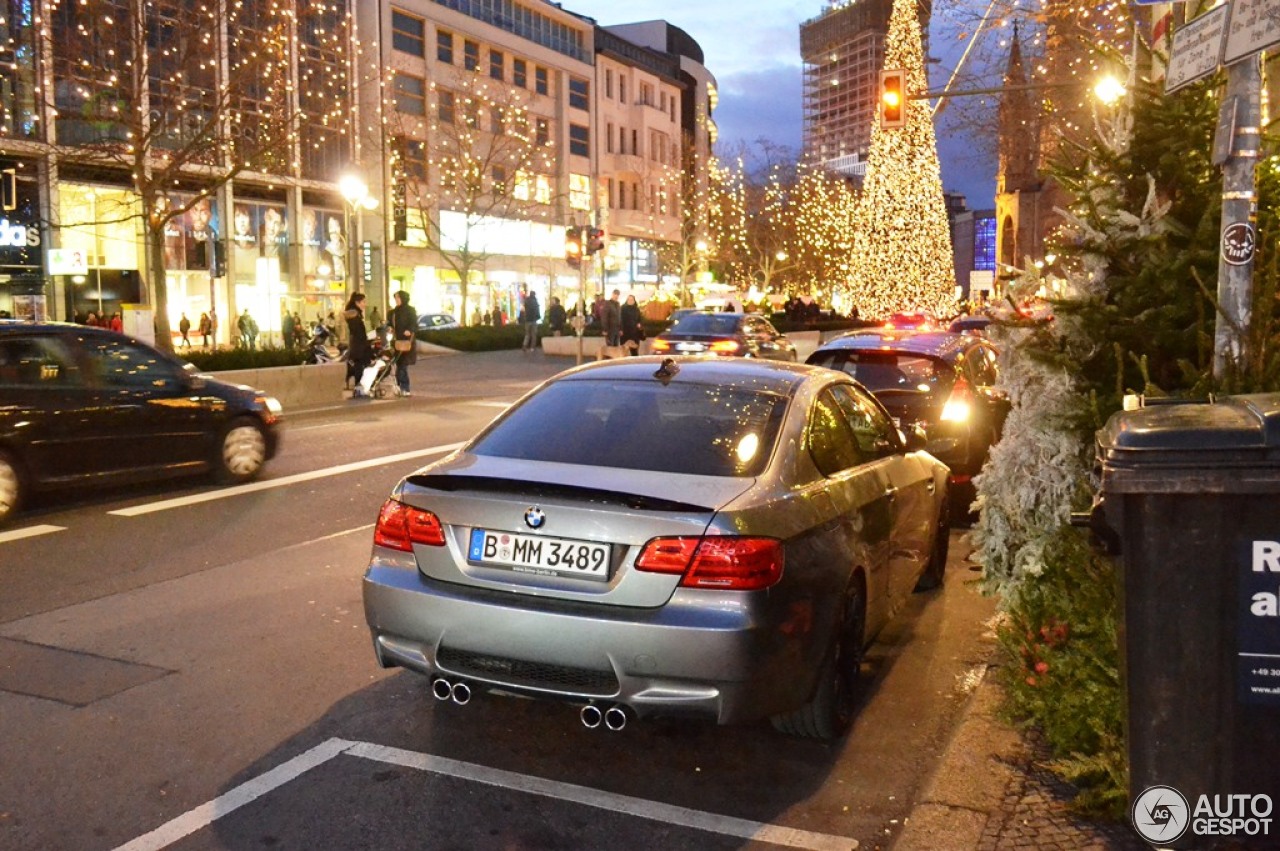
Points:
(721, 658)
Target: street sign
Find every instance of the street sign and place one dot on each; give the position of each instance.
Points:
(64, 261)
(1197, 47)
(1255, 26)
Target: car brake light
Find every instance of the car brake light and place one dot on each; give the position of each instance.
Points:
(959, 404)
(401, 526)
(660, 345)
(723, 562)
(725, 346)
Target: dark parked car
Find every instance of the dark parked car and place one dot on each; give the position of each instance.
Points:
(970, 325)
(87, 406)
(747, 335)
(915, 321)
(941, 381)
(662, 536)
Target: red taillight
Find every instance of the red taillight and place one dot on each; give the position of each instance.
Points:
(724, 562)
(401, 526)
(725, 347)
(660, 345)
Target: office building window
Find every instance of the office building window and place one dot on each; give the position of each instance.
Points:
(541, 131)
(608, 137)
(444, 46)
(540, 81)
(408, 34)
(410, 94)
(608, 82)
(579, 191)
(646, 94)
(413, 158)
(444, 107)
(520, 73)
(579, 140)
(579, 93)
(470, 55)
(497, 65)
(622, 88)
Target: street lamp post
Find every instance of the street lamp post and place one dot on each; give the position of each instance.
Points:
(356, 193)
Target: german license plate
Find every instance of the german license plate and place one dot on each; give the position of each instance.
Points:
(690, 347)
(540, 555)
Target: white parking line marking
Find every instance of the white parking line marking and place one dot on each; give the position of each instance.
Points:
(651, 810)
(249, 791)
(29, 532)
(246, 793)
(224, 493)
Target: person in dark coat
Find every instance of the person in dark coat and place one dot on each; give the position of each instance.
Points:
(404, 327)
(531, 316)
(556, 316)
(359, 352)
(611, 319)
(632, 330)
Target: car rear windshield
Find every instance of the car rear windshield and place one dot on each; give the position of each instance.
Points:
(699, 429)
(708, 323)
(880, 371)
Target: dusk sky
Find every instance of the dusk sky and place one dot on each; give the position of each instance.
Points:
(753, 49)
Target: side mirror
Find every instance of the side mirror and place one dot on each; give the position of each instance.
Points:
(913, 439)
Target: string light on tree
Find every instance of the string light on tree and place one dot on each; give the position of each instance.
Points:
(901, 258)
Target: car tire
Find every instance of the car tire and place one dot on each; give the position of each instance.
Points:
(12, 488)
(935, 571)
(829, 714)
(242, 451)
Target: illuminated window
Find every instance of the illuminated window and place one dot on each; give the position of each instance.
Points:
(579, 191)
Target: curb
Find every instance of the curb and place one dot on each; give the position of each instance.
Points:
(969, 784)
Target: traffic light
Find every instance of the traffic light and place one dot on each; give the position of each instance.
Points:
(893, 100)
(595, 240)
(573, 247)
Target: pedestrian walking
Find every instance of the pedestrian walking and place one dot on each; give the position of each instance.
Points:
(497, 316)
(184, 328)
(359, 352)
(556, 316)
(204, 329)
(532, 316)
(213, 325)
(632, 329)
(286, 329)
(612, 320)
(248, 329)
(404, 326)
(117, 324)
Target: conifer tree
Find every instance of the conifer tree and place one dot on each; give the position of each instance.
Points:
(901, 257)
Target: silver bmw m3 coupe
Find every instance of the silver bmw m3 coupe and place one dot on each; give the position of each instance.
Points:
(649, 536)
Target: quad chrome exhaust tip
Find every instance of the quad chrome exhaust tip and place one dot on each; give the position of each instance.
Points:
(612, 717)
(459, 692)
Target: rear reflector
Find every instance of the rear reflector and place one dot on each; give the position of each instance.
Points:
(401, 526)
(723, 562)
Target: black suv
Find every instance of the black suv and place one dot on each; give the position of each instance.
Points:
(83, 405)
(941, 381)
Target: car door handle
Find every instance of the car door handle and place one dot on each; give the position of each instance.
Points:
(931, 485)
(890, 494)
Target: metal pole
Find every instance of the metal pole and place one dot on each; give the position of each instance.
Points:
(1240, 107)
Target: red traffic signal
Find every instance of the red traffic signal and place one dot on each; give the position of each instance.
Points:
(595, 240)
(893, 98)
(573, 247)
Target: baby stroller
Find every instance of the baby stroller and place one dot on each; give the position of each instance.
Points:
(383, 364)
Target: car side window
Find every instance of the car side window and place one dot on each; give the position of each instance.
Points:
(120, 363)
(982, 365)
(36, 362)
(873, 431)
(832, 444)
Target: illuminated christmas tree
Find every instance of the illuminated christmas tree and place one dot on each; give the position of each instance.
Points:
(901, 257)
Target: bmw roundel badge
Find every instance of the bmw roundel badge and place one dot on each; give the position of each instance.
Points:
(534, 518)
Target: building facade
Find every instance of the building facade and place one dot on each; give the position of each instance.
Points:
(385, 92)
(843, 53)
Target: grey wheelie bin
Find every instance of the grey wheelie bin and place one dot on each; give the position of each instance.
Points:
(1192, 492)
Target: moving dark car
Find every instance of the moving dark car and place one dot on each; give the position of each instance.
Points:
(647, 536)
(941, 381)
(746, 335)
(82, 405)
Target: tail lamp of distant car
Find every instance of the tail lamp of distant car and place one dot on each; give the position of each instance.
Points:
(717, 562)
(401, 526)
(660, 345)
(959, 404)
(724, 347)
